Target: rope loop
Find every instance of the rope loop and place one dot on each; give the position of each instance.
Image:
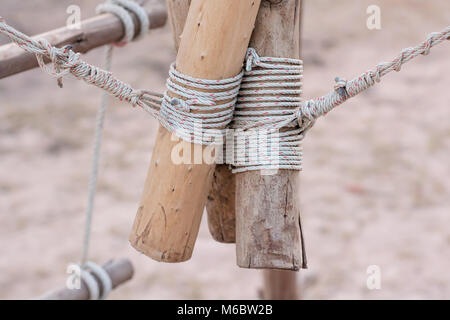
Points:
(97, 280)
(123, 9)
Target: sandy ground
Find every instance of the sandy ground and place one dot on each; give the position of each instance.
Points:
(375, 186)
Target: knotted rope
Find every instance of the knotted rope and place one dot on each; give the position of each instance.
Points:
(184, 114)
(270, 90)
(65, 61)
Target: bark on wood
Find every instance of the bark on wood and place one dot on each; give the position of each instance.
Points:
(119, 271)
(279, 285)
(213, 46)
(221, 205)
(267, 214)
(94, 32)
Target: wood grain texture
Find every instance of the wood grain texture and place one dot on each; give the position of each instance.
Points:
(267, 210)
(94, 32)
(215, 39)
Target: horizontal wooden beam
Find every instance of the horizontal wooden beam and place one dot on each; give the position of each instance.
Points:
(119, 271)
(94, 32)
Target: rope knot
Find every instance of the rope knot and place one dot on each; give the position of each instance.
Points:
(304, 115)
(180, 104)
(341, 87)
(252, 58)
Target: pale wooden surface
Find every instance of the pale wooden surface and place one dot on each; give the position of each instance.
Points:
(213, 46)
(178, 11)
(267, 211)
(94, 32)
(119, 271)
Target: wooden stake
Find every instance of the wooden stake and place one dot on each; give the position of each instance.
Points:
(279, 285)
(221, 205)
(213, 46)
(119, 271)
(267, 214)
(94, 32)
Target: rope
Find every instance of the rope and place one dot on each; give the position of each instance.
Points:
(65, 61)
(97, 281)
(310, 110)
(270, 90)
(116, 7)
(204, 109)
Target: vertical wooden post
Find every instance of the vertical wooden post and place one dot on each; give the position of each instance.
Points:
(267, 214)
(279, 285)
(213, 46)
(221, 205)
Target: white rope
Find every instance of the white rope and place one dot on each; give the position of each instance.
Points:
(270, 90)
(91, 284)
(121, 9)
(105, 280)
(204, 109)
(310, 110)
(113, 6)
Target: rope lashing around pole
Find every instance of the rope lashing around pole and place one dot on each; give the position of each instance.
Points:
(176, 114)
(207, 110)
(270, 89)
(118, 8)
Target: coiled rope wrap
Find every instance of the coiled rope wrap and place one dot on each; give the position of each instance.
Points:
(177, 114)
(270, 90)
(198, 110)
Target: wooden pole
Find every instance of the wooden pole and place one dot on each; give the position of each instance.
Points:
(267, 214)
(215, 39)
(221, 205)
(94, 32)
(279, 285)
(119, 271)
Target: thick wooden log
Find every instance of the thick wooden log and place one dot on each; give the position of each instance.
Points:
(213, 46)
(94, 32)
(119, 271)
(221, 205)
(279, 285)
(267, 211)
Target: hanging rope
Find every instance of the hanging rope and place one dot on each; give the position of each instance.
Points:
(117, 7)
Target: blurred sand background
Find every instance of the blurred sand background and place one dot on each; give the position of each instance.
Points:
(375, 186)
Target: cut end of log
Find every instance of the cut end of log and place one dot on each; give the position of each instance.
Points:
(166, 256)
